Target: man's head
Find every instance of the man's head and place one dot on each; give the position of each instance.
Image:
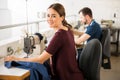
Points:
(85, 15)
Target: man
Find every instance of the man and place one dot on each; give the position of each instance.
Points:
(93, 29)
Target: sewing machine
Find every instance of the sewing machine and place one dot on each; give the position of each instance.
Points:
(31, 41)
(107, 23)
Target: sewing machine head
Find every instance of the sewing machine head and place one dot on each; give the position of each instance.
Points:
(31, 41)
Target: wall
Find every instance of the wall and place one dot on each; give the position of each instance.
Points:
(5, 15)
(27, 9)
(5, 19)
(102, 9)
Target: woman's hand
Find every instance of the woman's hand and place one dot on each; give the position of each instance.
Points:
(10, 58)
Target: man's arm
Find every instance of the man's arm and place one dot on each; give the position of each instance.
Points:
(82, 38)
(77, 32)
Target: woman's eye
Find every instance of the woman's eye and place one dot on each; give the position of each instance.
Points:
(53, 16)
(48, 15)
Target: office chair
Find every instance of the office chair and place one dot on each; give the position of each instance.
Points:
(105, 41)
(90, 60)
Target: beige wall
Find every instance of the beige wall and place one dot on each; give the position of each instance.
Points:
(102, 9)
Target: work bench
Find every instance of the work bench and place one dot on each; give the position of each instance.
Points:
(13, 73)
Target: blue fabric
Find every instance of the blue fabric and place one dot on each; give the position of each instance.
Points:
(94, 30)
(37, 71)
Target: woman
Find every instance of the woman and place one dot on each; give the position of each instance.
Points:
(61, 48)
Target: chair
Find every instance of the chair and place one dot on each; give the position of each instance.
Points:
(90, 60)
(105, 41)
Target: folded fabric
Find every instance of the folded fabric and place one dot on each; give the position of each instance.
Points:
(37, 71)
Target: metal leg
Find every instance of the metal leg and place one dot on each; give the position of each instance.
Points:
(117, 43)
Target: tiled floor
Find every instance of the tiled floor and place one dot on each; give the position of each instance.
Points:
(114, 72)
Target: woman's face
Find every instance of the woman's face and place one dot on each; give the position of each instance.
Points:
(53, 18)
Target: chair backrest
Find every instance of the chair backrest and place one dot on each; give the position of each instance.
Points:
(105, 41)
(90, 60)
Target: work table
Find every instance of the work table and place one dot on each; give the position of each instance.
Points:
(12, 73)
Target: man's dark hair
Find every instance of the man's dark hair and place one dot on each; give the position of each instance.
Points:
(86, 11)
